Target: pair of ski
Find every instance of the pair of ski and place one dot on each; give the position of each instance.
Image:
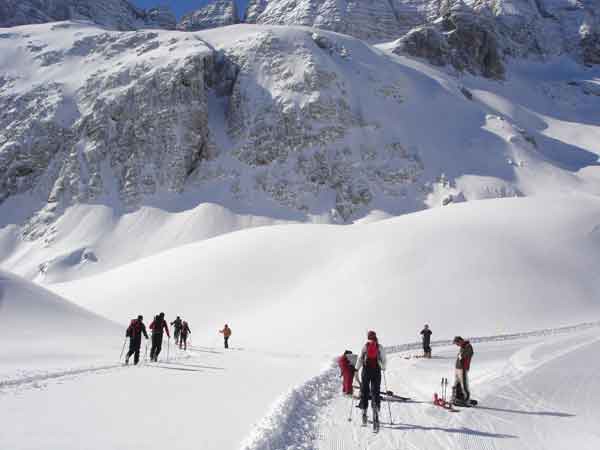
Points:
(389, 395)
(442, 401)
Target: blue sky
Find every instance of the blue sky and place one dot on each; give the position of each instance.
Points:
(180, 7)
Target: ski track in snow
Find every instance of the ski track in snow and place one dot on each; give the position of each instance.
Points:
(293, 420)
(34, 381)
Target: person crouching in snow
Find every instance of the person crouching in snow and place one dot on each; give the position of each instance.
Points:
(372, 360)
(347, 362)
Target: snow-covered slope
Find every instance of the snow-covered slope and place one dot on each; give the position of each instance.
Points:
(482, 267)
(42, 331)
(279, 123)
(114, 14)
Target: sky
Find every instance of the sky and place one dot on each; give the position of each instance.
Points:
(180, 7)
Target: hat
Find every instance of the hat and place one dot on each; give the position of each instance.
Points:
(162, 314)
(457, 339)
(140, 317)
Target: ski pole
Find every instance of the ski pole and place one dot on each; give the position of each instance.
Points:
(123, 349)
(351, 409)
(443, 389)
(388, 403)
(168, 346)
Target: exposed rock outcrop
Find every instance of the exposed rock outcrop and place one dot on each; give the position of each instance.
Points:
(464, 40)
(218, 13)
(113, 14)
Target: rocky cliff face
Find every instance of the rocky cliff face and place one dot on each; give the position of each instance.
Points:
(114, 14)
(371, 20)
(466, 41)
(219, 13)
(519, 28)
(308, 122)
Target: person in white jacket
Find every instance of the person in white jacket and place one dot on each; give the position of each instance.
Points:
(372, 361)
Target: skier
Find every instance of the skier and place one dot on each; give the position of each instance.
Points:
(460, 392)
(426, 333)
(158, 325)
(134, 331)
(372, 361)
(347, 362)
(176, 324)
(185, 331)
(226, 332)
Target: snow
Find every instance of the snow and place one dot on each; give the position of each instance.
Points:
(297, 293)
(44, 333)
(534, 392)
(530, 259)
(296, 296)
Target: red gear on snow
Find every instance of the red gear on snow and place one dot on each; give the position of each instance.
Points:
(347, 374)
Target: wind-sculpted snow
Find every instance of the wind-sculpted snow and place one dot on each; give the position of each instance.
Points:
(115, 14)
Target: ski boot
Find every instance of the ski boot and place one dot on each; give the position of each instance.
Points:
(127, 361)
(375, 420)
(365, 420)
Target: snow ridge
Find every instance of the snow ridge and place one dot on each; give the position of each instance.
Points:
(293, 419)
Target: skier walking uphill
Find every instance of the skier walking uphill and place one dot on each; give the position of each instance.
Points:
(460, 392)
(158, 325)
(372, 360)
(184, 332)
(226, 332)
(426, 333)
(134, 331)
(346, 362)
(176, 324)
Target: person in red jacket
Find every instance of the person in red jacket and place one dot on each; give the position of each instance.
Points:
(158, 325)
(460, 392)
(346, 362)
(135, 330)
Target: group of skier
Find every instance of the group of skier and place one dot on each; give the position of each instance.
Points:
(159, 327)
(371, 365)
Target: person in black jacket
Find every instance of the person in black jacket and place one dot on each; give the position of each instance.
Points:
(185, 332)
(426, 333)
(176, 324)
(158, 325)
(134, 331)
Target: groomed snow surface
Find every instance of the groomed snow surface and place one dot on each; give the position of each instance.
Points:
(298, 295)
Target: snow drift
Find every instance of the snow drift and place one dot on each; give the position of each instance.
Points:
(476, 268)
(43, 331)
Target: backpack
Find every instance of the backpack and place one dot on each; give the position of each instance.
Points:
(372, 356)
(129, 331)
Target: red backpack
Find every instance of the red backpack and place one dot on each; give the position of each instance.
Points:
(372, 358)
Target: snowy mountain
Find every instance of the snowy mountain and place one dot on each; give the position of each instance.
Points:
(274, 123)
(516, 28)
(113, 14)
(215, 14)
